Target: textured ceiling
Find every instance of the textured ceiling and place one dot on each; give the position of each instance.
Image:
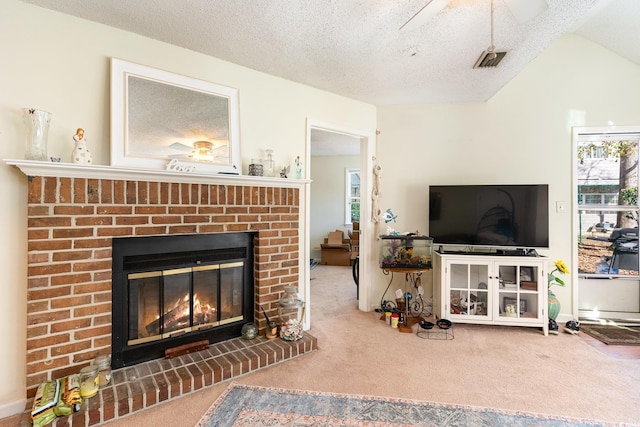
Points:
(355, 48)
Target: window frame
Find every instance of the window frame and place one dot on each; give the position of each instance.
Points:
(581, 136)
(348, 198)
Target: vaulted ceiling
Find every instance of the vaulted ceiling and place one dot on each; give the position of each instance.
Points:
(356, 48)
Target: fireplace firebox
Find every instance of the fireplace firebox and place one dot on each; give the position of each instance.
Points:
(174, 290)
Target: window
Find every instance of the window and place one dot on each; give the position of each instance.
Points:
(608, 204)
(352, 195)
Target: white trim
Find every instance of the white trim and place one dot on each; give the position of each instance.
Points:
(14, 407)
(347, 194)
(69, 170)
(367, 256)
(122, 145)
(576, 135)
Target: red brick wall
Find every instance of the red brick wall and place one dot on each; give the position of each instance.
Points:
(71, 223)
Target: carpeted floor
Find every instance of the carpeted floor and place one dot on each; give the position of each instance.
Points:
(246, 405)
(506, 367)
(613, 334)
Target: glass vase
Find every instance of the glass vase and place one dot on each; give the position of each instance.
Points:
(36, 124)
(291, 312)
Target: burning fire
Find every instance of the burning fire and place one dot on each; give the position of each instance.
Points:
(178, 316)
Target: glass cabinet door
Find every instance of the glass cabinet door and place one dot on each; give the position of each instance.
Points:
(468, 290)
(518, 292)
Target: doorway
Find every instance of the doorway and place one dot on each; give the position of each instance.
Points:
(328, 140)
(606, 208)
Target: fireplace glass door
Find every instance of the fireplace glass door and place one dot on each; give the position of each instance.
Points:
(172, 302)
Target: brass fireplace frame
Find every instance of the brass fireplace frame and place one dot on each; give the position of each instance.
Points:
(144, 256)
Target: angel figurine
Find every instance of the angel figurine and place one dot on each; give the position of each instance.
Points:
(81, 153)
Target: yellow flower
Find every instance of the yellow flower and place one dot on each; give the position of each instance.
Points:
(562, 267)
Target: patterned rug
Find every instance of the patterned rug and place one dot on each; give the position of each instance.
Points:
(613, 334)
(243, 405)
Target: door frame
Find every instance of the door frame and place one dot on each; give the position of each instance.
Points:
(577, 312)
(366, 254)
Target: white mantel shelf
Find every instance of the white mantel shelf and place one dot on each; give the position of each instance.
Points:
(70, 170)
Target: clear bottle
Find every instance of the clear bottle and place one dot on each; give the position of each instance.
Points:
(269, 166)
(104, 369)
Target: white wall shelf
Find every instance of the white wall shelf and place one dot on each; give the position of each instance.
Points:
(70, 170)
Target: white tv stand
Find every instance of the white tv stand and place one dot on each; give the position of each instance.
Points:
(490, 289)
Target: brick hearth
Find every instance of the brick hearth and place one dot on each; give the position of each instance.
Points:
(148, 384)
(71, 222)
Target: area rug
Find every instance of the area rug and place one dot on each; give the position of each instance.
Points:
(613, 334)
(244, 405)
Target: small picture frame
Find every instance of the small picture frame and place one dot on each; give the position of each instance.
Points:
(526, 274)
(510, 303)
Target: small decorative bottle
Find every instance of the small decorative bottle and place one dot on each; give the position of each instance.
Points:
(269, 166)
(297, 168)
(104, 369)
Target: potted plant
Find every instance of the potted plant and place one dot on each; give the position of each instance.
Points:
(554, 304)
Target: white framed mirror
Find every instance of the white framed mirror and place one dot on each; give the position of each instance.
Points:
(158, 116)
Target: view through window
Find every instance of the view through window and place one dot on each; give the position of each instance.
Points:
(352, 196)
(608, 204)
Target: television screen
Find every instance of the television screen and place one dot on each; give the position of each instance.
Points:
(500, 216)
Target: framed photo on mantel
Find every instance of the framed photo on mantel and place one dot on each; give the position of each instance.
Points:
(158, 116)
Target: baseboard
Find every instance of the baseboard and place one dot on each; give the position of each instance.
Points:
(9, 409)
(562, 319)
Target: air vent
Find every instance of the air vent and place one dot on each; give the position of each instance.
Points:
(486, 60)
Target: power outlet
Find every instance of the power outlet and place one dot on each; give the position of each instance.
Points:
(561, 207)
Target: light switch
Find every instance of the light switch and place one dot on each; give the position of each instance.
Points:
(560, 207)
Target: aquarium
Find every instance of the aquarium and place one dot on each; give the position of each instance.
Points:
(405, 251)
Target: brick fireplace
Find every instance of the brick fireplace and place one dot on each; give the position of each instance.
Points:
(177, 289)
(72, 221)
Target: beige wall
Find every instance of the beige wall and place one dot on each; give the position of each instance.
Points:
(60, 64)
(327, 197)
(522, 135)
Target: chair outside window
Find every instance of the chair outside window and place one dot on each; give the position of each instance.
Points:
(625, 249)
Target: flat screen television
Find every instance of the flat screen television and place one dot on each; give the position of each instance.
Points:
(495, 216)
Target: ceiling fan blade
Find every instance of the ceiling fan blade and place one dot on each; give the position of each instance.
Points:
(428, 11)
(181, 147)
(525, 10)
